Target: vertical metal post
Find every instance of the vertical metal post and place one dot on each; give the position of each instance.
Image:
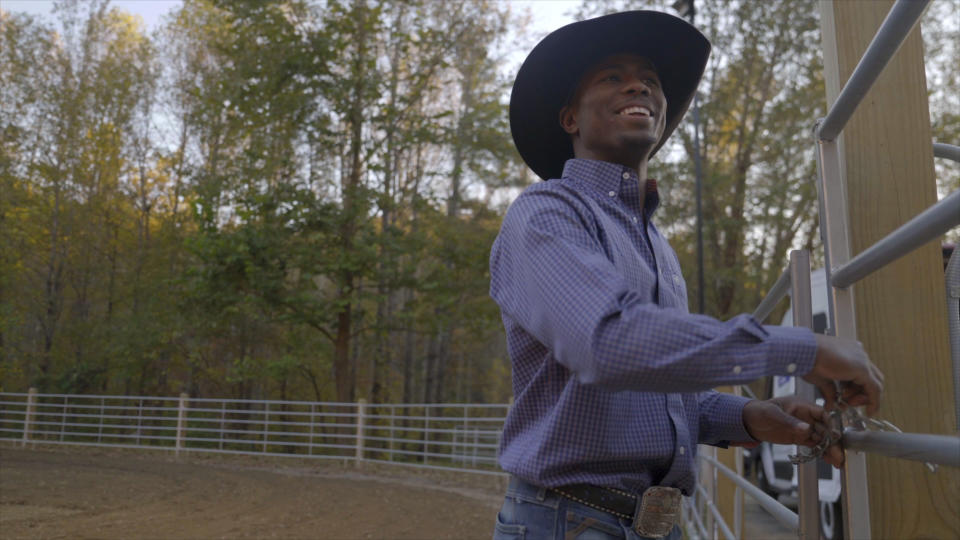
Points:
(802, 302)
(181, 422)
(426, 429)
(223, 421)
(698, 169)
(686, 8)
(313, 421)
(713, 497)
(393, 414)
(463, 449)
(361, 421)
(738, 492)
(100, 424)
(836, 241)
(63, 418)
(476, 444)
(266, 425)
(139, 420)
(28, 415)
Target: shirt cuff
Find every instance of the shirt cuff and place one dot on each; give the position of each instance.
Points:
(732, 426)
(793, 350)
(724, 417)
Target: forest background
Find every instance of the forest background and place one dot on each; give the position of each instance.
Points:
(295, 199)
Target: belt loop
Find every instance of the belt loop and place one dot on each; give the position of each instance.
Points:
(542, 494)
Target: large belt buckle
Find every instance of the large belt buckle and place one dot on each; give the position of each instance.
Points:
(658, 512)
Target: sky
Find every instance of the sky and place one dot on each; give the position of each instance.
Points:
(547, 15)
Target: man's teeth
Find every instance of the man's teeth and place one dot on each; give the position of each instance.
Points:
(637, 110)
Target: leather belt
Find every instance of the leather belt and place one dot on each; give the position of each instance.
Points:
(654, 514)
(612, 501)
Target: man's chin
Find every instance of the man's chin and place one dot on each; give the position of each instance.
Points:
(638, 147)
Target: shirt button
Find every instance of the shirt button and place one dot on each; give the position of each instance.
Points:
(626, 175)
(634, 219)
(791, 368)
(737, 370)
(676, 279)
(612, 194)
(682, 450)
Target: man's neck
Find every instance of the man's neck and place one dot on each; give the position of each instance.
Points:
(642, 172)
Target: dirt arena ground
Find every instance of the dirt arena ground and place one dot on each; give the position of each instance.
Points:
(83, 492)
(79, 492)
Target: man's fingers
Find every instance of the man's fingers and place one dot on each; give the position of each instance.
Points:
(818, 433)
(834, 455)
(827, 390)
(872, 388)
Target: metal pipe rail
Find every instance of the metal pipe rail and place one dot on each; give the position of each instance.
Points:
(946, 151)
(458, 437)
(952, 282)
(926, 226)
(939, 449)
(776, 294)
(724, 528)
(780, 512)
(888, 39)
(688, 507)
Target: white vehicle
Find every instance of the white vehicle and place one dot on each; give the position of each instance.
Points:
(775, 474)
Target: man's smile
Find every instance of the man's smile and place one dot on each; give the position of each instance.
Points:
(636, 110)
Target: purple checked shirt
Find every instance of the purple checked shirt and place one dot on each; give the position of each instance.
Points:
(611, 373)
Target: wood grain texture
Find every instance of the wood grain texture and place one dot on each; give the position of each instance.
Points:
(900, 310)
(726, 489)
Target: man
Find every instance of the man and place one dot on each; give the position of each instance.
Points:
(611, 374)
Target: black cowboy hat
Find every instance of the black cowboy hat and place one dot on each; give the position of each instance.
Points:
(549, 75)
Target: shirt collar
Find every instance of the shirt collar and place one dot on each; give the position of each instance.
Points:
(614, 180)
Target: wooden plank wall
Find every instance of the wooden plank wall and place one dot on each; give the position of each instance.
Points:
(901, 310)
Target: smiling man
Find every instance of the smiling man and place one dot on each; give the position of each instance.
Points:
(611, 373)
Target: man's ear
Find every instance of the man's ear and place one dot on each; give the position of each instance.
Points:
(568, 120)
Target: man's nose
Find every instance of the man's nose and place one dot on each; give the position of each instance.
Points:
(637, 86)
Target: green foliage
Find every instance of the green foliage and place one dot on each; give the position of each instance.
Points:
(251, 202)
(292, 199)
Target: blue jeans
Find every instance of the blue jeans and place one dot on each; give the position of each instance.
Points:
(530, 512)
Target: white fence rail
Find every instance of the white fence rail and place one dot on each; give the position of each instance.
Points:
(459, 437)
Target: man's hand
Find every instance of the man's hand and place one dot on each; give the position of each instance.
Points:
(790, 420)
(845, 361)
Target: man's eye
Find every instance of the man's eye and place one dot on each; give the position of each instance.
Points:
(652, 81)
(612, 77)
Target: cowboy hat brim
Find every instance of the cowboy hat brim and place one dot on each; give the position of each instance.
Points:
(553, 68)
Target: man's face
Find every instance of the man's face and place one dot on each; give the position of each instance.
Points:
(618, 112)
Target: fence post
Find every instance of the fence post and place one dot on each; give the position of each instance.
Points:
(807, 483)
(361, 420)
(63, 417)
(476, 444)
(28, 417)
(313, 421)
(223, 421)
(266, 425)
(139, 421)
(393, 414)
(181, 421)
(100, 425)
(426, 431)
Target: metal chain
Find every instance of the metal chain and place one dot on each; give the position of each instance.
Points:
(852, 417)
(833, 436)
